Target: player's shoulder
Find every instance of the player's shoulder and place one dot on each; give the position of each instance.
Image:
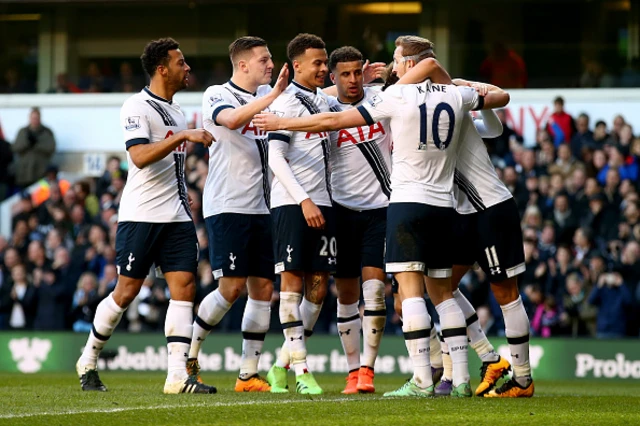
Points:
(136, 101)
(287, 99)
(263, 90)
(334, 104)
(214, 95)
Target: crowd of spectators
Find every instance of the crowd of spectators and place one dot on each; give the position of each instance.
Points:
(577, 191)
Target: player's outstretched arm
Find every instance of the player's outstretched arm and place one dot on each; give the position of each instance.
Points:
(148, 153)
(281, 169)
(490, 126)
(494, 97)
(426, 69)
(234, 118)
(325, 121)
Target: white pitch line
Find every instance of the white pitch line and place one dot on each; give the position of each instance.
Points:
(169, 407)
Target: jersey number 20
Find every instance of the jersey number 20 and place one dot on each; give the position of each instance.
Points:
(435, 122)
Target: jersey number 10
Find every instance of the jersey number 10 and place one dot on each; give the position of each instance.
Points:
(435, 122)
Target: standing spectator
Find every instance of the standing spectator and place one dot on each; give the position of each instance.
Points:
(561, 125)
(582, 137)
(85, 302)
(613, 299)
(504, 68)
(23, 300)
(579, 315)
(52, 307)
(35, 145)
(546, 319)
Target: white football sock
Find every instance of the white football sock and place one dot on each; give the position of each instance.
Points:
(516, 325)
(373, 320)
(415, 327)
(309, 312)
(178, 328)
(255, 324)
(293, 330)
(349, 331)
(454, 332)
(108, 315)
(477, 339)
(211, 311)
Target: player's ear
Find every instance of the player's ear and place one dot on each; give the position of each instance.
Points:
(242, 65)
(296, 65)
(332, 77)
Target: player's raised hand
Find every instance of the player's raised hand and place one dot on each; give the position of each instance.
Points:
(199, 136)
(267, 121)
(372, 71)
(283, 79)
(312, 214)
(481, 88)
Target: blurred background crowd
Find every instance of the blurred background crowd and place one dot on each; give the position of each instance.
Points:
(577, 191)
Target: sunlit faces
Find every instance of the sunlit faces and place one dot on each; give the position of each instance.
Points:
(258, 64)
(176, 71)
(348, 78)
(311, 68)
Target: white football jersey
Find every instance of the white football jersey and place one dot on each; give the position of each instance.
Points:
(425, 122)
(238, 178)
(308, 153)
(158, 192)
(477, 185)
(361, 160)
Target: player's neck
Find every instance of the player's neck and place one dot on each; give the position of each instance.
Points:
(304, 85)
(243, 83)
(161, 90)
(352, 100)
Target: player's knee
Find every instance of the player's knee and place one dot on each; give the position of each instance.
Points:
(506, 291)
(397, 306)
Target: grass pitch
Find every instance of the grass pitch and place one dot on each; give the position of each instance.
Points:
(136, 398)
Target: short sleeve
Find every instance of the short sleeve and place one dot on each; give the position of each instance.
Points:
(382, 105)
(282, 108)
(215, 100)
(135, 123)
(471, 101)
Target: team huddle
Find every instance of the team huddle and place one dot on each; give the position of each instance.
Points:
(352, 181)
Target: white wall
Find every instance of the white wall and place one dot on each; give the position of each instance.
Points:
(90, 122)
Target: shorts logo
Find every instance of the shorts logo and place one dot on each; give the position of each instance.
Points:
(132, 123)
(279, 267)
(332, 260)
(289, 250)
(492, 259)
(232, 258)
(131, 260)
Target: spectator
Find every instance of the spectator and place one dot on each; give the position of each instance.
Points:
(504, 68)
(560, 267)
(579, 315)
(546, 319)
(23, 300)
(561, 125)
(600, 219)
(613, 299)
(52, 309)
(85, 302)
(500, 146)
(582, 137)
(63, 85)
(35, 145)
(127, 81)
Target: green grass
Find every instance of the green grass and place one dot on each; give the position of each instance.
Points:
(136, 398)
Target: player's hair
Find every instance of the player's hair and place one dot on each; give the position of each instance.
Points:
(301, 43)
(344, 54)
(416, 46)
(156, 53)
(390, 78)
(242, 45)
